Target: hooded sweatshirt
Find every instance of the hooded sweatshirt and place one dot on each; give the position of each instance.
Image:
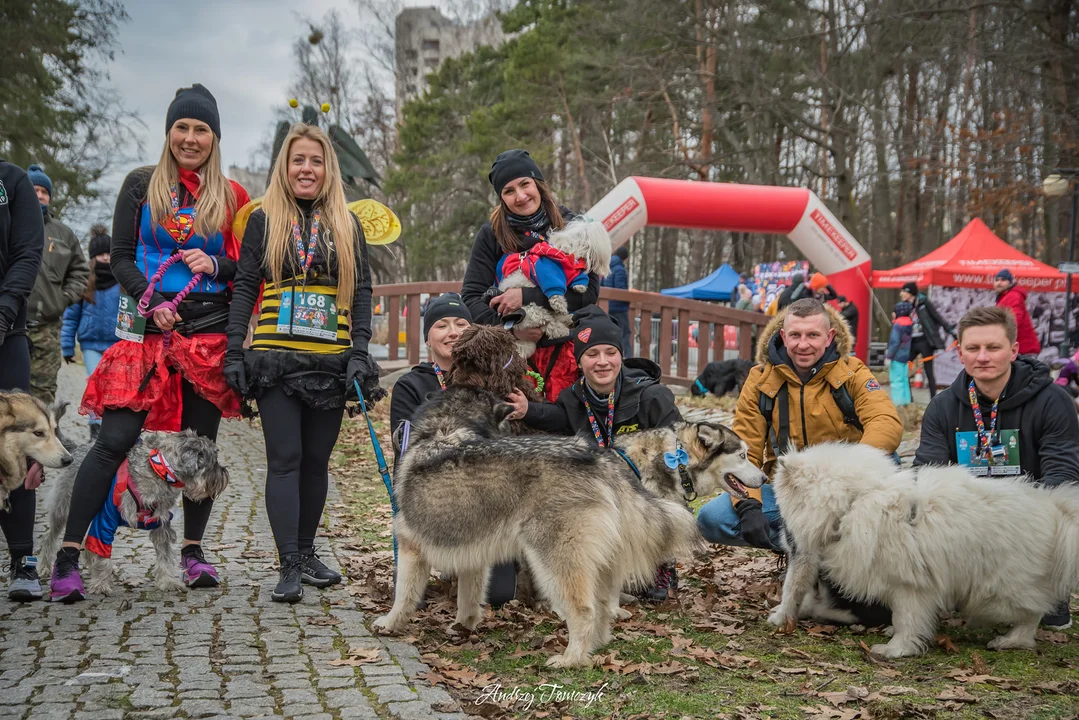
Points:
(22, 239)
(641, 403)
(1015, 299)
(1031, 403)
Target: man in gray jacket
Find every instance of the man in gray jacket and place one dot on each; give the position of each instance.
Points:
(61, 281)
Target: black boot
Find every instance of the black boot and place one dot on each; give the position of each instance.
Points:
(666, 580)
(288, 587)
(314, 572)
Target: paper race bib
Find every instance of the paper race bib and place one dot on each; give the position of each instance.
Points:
(308, 314)
(1003, 459)
(129, 324)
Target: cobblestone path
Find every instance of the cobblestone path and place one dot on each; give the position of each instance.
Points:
(223, 653)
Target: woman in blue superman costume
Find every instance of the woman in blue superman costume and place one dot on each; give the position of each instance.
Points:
(151, 381)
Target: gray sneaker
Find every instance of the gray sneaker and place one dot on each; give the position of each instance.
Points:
(24, 585)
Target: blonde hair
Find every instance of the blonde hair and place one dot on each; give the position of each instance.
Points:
(216, 202)
(505, 234)
(281, 207)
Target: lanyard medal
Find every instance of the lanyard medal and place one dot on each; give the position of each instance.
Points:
(592, 417)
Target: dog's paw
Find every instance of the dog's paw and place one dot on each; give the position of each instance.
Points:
(100, 587)
(779, 617)
(1010, 643)
(387, 625)
(579, 289)
(558, 304)
(623, 614)
(468, 620)
(895, 650)
(565, 661)
(170, 585)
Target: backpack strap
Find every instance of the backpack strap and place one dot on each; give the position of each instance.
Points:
(766, 403)
(845, 403)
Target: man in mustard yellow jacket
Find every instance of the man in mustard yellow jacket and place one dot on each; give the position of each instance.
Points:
(805, 389)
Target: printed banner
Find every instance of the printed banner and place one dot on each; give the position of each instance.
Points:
(771, 278)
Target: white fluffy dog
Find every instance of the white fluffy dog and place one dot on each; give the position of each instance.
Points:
(925, 541)
(586, 240)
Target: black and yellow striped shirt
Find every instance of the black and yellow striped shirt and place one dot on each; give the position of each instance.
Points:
(267, 336)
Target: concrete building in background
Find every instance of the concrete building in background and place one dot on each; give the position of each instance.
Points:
(425, 37)
(254, 181)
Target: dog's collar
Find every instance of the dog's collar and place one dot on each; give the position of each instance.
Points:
(680, 459)
(162, 469)
(700, 386)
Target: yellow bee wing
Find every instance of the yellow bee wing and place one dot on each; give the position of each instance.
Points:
(239, 223)
(380, 225)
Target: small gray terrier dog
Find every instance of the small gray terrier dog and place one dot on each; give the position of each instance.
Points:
(191, 464)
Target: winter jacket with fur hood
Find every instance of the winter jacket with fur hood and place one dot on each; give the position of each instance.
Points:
(1031, 403)
(641, 403)
(1015, 299)
(814, 416)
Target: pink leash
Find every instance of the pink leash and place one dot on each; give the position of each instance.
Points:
(144, 303)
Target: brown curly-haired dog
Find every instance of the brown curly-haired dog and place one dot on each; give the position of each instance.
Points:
(485, 357)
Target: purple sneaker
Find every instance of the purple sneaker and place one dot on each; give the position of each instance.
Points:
(66, 585)
(197, 572)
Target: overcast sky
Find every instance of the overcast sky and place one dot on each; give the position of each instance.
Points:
(239, 49)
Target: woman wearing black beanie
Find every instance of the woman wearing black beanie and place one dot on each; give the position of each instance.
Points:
(181, 207)
(525, 215)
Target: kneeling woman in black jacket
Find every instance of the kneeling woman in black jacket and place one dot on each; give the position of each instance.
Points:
(309, 345)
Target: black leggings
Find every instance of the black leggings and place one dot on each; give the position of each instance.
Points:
(299, 441)
(17, 523)
(120, 430)
(920, 346)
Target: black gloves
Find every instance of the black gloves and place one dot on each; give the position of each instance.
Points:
(69, 359)
(5, 325)
(362, 369)
(235, 372)
(755, 528)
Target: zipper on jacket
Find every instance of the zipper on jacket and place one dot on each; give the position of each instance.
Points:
(802, 409)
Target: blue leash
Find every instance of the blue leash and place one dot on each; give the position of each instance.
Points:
(383, 469)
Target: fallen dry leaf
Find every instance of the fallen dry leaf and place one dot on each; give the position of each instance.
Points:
(945, 642)
(323, 620)
(897, 690)
(956, 694)
(978, 664)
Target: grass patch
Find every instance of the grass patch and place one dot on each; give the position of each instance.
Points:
(707, 652)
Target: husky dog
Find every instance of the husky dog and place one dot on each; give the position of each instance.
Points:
(471, 496)
(705, 457)
(722, 377)
(584, 239)
(156, 472)
(28, 429)
(925, 541)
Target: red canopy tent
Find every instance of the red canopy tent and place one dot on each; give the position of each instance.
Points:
(970, 260)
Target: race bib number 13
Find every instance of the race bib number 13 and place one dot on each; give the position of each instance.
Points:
(129, 324)
(309, 314)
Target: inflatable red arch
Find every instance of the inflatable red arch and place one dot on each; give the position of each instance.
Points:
(798, 213)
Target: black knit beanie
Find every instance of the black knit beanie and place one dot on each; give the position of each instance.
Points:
(196, 103)
(447, 305)
(910, 287)
(509, 166)
(594, 327)
(99, 245)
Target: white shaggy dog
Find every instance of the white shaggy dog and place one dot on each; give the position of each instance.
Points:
(582, 238)
(925, 541)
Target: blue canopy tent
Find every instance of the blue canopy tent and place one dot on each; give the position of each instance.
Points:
(717, 286)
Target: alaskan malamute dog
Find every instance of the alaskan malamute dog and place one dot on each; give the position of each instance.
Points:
(28, 429)
(925, 541)
(470, 496)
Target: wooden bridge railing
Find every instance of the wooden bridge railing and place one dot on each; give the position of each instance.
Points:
(671, 340)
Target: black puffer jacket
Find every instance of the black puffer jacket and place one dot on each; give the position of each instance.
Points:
(642, 403)
(1032, 403)
(480, 276)
(932, 322)
(22, 240)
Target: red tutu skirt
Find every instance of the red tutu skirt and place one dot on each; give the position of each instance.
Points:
(563, 373)
(128, 366)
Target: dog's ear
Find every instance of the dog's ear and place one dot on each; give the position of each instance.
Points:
(57, 410)
(502, 411)
(709, 435)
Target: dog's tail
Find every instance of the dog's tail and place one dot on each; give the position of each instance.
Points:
(1066, 551)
